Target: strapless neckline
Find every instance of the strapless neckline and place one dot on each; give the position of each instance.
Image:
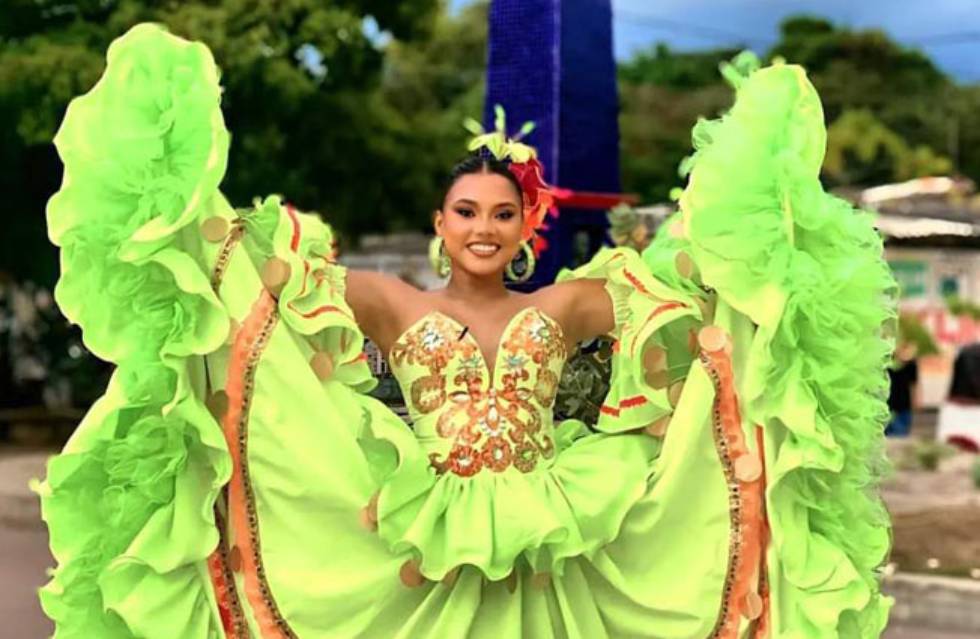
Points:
(489, 367)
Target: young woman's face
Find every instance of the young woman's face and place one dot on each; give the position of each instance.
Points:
(480, 223)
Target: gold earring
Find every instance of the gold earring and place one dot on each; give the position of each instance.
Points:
(522, 273)
(438, 259)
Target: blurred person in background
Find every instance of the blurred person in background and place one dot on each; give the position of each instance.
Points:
(903, 396)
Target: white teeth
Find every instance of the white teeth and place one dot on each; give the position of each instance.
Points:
(484, 249)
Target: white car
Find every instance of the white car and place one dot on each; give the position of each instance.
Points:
(959, 415)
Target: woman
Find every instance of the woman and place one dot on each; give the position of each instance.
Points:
(234, 481)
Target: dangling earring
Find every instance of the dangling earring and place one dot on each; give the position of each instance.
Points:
(438, 259)
(521, 268)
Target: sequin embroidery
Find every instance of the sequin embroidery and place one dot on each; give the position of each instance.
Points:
(492, 419)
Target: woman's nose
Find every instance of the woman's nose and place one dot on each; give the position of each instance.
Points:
(485, 226)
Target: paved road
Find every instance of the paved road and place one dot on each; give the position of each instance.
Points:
(24, 558)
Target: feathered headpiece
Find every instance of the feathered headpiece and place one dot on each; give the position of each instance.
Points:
(539, 196)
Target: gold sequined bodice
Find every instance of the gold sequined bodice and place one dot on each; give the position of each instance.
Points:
(472, 419)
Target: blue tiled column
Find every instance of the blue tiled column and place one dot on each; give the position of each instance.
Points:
(551, 61)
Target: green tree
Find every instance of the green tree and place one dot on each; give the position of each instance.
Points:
(892, 113)
(302, 95)
(855, 69)
(662, 94)
(867, 70)
(436, 83)
(862, 150)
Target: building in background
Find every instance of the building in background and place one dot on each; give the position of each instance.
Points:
(931, 228)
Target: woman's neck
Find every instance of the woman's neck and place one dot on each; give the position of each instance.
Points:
(469, 288)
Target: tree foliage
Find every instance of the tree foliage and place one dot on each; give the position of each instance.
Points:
(662, 94)
(891, 113)
(863, 150)
(303, 99)
(354, 107)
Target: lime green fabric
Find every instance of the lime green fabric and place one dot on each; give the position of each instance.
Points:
(128, 502)
(632, 529)
(809, 271)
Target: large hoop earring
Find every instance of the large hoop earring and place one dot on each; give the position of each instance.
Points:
(521, 268)
(438, 259)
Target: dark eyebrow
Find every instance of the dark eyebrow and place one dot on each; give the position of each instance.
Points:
(464, 201)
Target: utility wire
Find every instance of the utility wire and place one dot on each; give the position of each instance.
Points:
(713, 34)
(960, 37)
(707, 33)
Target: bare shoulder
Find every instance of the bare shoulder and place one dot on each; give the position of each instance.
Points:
(582, 307)
(381, 303)
(374, 283)
(563, 297)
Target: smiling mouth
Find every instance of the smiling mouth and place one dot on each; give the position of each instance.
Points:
(483, 249)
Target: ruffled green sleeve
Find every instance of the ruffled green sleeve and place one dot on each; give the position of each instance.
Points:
(312, 300)
(808, 271)
(129, 502)
(653, 331)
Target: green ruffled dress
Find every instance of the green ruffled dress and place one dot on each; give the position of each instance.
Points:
(235, 480)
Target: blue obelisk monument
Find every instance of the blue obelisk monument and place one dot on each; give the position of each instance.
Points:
(551, 61)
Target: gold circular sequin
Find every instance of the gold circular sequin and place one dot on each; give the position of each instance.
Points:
(511, 582)
(692, 341)
(752, 605)
(654, 359)
(450, 579)
(684, 265)
(541, 580)
(712, 339)
(369, 514)
(655, 367)
(275, 274)
(676, 230)
(368, 522)
(322, 365)
(658, 428)
(748, 468)
(658, 380)
(235, 559)
(214, 229)
(217, 403)
(410, 574)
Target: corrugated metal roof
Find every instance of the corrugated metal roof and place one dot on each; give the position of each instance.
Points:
(905, 227)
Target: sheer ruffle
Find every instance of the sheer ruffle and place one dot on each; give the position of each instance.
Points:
(808, 271)
(512, 520)
(312, 301)
(129, 502)
(648, 313)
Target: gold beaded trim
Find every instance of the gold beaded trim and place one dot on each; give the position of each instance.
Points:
(235, 626)
(254, 356)
(746, 590)
(723, 625)
(224, 255)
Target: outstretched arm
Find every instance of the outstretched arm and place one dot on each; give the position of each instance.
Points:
(380, 303)
(583, 307)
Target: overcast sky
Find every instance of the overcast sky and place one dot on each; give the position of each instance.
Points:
(947, 30)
